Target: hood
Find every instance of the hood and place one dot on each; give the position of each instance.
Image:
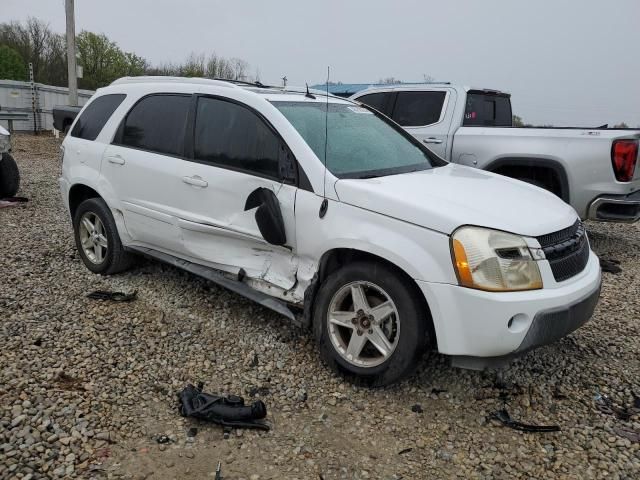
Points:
(448, 197)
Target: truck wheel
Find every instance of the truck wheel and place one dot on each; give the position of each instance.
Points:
(97, 238)
(9, 176)
(369, 324)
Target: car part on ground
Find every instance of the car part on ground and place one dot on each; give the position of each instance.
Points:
(113, 296)
(9, 176)
(12, 201)
(229, 411)
(503, 417)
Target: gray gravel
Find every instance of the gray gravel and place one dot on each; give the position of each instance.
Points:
(85, 386)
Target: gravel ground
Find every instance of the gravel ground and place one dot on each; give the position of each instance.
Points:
(85, 385)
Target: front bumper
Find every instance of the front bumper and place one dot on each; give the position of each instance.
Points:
(615, 208)
(480, 329)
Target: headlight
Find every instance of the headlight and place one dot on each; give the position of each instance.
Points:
(491, 260)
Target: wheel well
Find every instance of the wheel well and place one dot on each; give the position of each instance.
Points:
(78, 194)
(336, 258)
(548, 174)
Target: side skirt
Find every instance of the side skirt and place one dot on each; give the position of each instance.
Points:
(219, 278)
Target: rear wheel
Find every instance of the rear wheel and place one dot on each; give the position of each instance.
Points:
(97, 238)
(9, 176)
(369, 323)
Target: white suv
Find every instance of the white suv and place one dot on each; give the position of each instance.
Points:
(383, 253)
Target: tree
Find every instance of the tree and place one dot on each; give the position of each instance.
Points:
(517, 121)
(389, 81)
(621, 125)
(12, 67)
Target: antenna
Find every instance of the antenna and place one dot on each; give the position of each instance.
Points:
(325, 202)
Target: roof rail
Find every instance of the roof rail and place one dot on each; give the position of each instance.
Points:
(163, 79)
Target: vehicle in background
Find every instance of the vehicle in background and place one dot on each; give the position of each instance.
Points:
(592, 169)
(63, 117)
(330, 214)
(9, 173)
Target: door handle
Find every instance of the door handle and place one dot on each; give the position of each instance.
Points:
(432, 140)
(117, 159)
(196, 181)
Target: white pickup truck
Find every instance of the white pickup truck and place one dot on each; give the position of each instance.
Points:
(594, 170)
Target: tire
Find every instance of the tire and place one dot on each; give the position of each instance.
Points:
(9, 176)
(104, 253)
(406, 329)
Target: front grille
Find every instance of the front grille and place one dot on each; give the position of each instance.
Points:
(567, 251)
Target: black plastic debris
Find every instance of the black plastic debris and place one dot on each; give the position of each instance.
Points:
(405, 450)
(606, 405)
(113, 296)
(192, 432)
(229, 411)
(610, 265)
(438, 391)
(503, 417)
(417, 408)
(163, 439)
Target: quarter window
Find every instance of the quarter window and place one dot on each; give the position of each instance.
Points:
(157, 123)
(416, 109)
(231, 135)
(94, 117)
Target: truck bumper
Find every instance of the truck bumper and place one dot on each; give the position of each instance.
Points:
(488, 329)
(615, 208)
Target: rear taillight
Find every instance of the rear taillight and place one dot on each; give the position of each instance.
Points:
(624, 154)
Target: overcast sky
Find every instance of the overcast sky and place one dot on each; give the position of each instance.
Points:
(569, 62)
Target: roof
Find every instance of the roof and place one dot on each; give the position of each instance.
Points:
(348, 89)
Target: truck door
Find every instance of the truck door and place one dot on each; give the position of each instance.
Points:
(423, 113)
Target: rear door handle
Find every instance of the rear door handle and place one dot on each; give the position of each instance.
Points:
(117, 159)
(196, 181)
(432, 140)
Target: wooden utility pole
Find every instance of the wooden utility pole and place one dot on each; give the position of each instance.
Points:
(71, 54)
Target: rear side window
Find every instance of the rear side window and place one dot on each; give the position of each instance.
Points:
(487, 110)
(417, 109)
(230, 135)
(96, 115)
(380, 101)
(157, 123)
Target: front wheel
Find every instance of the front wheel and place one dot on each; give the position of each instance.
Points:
(370, 323)
(9, 176)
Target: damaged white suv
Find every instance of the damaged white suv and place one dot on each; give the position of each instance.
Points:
(387, 251)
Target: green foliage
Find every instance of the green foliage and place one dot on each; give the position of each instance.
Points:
(517, 121)
(12, 67)
(101, 59)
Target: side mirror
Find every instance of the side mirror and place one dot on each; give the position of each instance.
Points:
(268, 215)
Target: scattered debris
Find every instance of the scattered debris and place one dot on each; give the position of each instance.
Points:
(503, 417)
(192, 432)
(606, 405)
(438, 391)
(405, 450)
(163, 439)
(262, 391)
(219, 471)
(610, 265)
(417, 408)
(12, 201)
(114, 296)
(230, 411)
(628, 433)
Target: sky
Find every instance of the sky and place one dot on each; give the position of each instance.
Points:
(565, 62)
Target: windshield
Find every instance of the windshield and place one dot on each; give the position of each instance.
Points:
(360, 144)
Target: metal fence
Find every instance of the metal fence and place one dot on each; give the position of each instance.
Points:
(37, 100)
